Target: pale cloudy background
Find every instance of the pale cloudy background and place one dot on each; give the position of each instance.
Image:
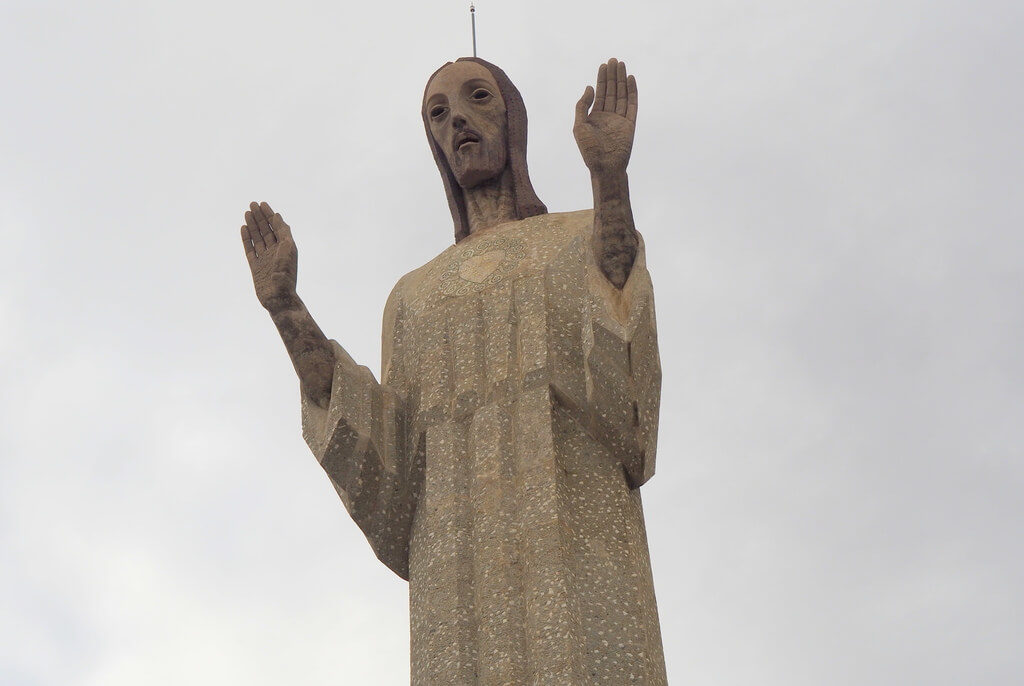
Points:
(831, 196)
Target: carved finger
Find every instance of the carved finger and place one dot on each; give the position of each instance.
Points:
(268, 214)
(620, 89)
(583, 105)
(609, 95)
(263, 222)
(254, 233)
(602, 86)
(631, 99)
(282, 230)
(250, 252)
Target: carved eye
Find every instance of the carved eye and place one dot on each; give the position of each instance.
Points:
(437, 111)
(480, 94)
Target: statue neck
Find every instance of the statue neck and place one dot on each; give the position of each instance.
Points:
(491, 203)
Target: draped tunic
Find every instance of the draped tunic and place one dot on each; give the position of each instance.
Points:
(496, 464)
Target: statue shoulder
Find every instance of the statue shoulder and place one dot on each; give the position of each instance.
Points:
(574, 223)
(406, 289)
(401, 293)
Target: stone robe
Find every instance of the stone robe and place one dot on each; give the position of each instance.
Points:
(497, 465)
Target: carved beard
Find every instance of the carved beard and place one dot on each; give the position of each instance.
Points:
(477, 163)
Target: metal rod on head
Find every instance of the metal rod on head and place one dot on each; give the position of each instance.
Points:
(472, 18)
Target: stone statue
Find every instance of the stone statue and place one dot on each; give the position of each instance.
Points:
(496, 465)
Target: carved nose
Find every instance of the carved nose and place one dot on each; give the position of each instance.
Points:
(458, 121)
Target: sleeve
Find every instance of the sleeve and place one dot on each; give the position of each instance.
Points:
(361, 441)
(623, 369)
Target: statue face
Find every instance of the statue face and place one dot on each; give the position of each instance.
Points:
(468, 121)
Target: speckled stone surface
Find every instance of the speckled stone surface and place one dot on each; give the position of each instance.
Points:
(497, 466)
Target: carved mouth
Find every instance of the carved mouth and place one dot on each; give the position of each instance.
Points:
(464, 138)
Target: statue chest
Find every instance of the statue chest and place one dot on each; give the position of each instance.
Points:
(483, 320)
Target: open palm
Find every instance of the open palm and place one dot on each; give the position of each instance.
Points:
(605, 134)
(272, 255)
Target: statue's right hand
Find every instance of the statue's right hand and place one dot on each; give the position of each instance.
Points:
(273, 258)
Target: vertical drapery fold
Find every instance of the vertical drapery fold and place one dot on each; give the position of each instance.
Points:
(497, 468)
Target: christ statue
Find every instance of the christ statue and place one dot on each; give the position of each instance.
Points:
(497, 462)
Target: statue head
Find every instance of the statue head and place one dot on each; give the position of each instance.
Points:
(476, 125)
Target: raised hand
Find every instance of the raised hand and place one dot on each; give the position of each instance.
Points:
(605, 135)
(273, 261)
(273, 258)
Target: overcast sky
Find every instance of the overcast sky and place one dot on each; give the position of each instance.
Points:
(830, 193)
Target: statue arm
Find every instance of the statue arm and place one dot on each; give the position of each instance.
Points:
(605, 138)
(273, 261)
(624, 368)
(355, 426)
(361, 438)
(308, 349)
(614, 237)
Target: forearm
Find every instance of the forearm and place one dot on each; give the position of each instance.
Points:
(614, 239)
(308, 348)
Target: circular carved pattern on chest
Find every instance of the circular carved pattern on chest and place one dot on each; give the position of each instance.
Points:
(482, 265)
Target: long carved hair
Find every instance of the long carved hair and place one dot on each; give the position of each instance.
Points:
(527, 204)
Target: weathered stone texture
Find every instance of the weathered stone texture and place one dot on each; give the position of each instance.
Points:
(497, 466)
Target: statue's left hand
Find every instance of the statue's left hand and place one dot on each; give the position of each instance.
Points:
(605, 135)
